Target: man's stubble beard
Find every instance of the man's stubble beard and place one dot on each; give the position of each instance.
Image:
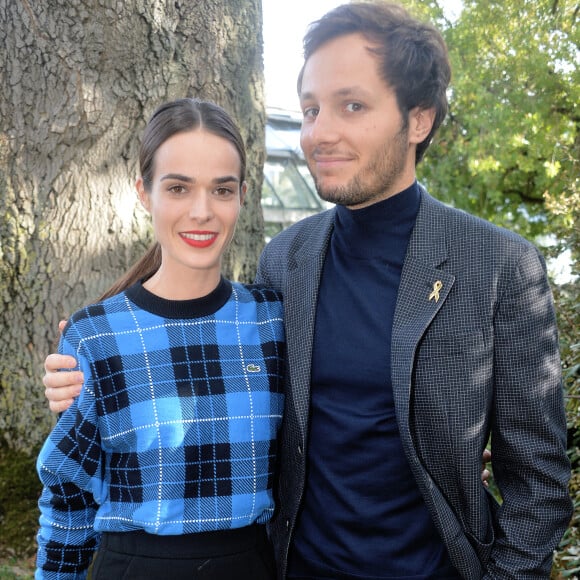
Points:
(374, 182)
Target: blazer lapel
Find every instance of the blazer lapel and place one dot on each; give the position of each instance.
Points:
(300, 299)
(422, 292)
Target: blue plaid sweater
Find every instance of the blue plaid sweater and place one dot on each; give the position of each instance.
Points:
(175, 429)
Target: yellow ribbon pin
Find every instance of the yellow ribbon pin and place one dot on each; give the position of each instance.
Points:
(436, 288)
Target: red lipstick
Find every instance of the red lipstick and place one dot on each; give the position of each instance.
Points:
(199, 239)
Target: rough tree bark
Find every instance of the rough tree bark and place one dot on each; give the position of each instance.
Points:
(79, 80)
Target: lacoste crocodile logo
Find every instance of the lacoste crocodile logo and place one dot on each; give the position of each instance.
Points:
(253, 368)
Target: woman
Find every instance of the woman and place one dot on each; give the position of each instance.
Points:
(164, 463)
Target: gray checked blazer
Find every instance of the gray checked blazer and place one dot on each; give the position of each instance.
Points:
(480, 358)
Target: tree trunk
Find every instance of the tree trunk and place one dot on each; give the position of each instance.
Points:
(79, 81)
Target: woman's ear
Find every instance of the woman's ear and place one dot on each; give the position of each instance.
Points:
(420, 124)
(243, 191)
(143, 195)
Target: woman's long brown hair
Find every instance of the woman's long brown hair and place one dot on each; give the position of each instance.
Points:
(144, 268)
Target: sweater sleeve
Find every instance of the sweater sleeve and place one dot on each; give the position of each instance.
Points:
(69, 467)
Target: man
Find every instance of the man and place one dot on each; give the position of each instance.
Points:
(414, 331)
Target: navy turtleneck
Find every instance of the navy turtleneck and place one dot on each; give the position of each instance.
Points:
(363, 516)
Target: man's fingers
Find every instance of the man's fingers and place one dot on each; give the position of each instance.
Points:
(61, 387)
(60, 406)
(62, 393)
(54, 362)
(485, 475)
(56, 381)
(486, 457)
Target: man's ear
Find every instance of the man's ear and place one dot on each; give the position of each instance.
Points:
(143, 195)
(420, 124)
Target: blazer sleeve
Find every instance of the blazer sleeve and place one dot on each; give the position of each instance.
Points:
(529, 460)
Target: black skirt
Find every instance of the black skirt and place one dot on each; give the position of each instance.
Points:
(240, 554)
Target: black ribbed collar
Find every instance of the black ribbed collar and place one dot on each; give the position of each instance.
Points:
(194, 308)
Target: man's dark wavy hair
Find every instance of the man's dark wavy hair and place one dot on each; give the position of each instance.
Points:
(412, 54)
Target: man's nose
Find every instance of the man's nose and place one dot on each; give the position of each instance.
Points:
(323, 129)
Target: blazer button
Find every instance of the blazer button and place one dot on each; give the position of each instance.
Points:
(287, 525)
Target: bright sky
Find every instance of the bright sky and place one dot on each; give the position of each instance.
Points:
(284, 26)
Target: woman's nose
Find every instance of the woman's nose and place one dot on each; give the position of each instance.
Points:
(200, 208)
